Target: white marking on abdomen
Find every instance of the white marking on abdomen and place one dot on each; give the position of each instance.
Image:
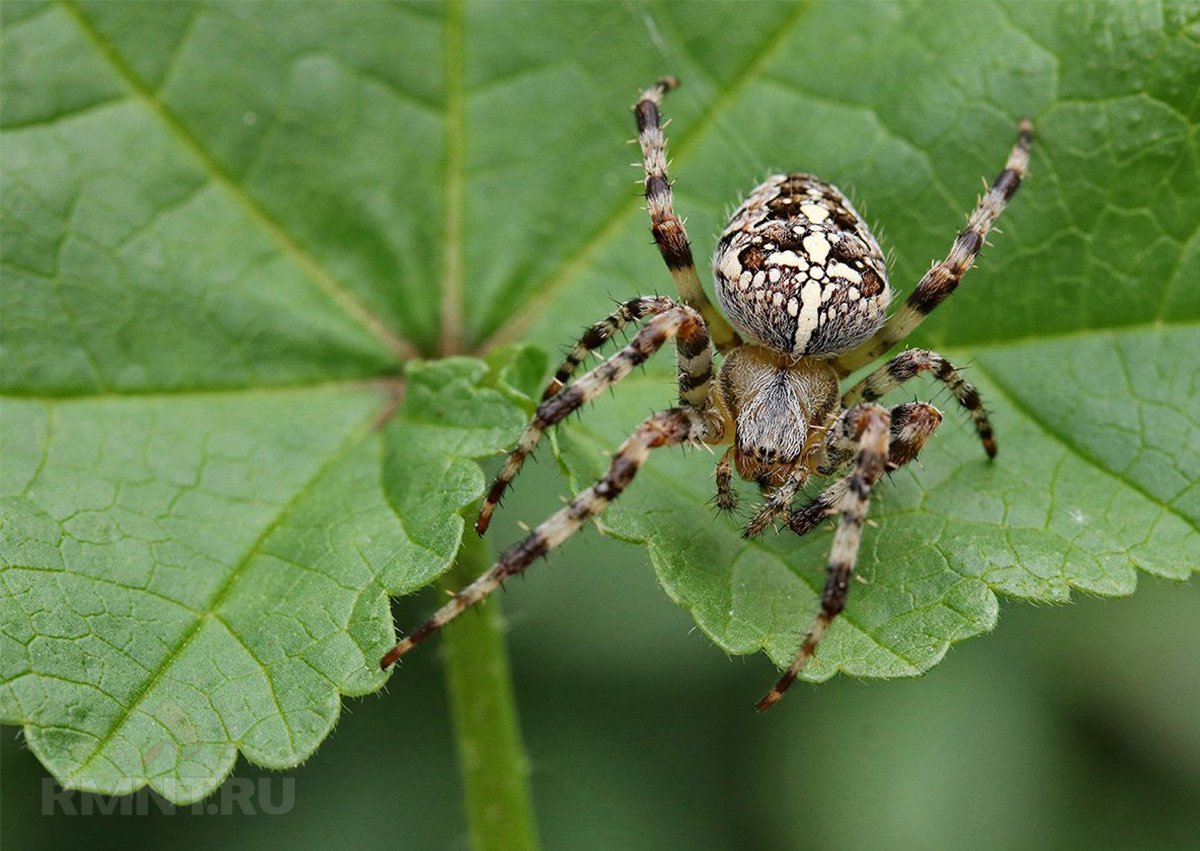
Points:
(784, 258)
(814, 212)
(806, 322)
(817, 248)
(841, 270)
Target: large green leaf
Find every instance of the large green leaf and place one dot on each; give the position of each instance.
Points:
(195, 573)
(226, 227)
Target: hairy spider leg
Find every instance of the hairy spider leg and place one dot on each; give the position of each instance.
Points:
(669, 233)
(912, 425)
(871, 425)
(777, 501)
(727, 495)
(943, 277)
(603, 331)
(695, 379)
(910, 363)
(667, 428)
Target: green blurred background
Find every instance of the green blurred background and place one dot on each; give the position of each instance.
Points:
(1070, 727)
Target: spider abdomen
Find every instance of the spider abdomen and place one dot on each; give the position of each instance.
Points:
(797, 269)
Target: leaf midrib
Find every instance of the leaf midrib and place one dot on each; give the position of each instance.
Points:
(452, 326)
(453, 186)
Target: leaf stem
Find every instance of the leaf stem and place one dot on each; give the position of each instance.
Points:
(495, 772)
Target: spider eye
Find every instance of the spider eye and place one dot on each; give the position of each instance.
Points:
(797, 269)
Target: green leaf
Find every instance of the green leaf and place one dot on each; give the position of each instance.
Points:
(188, 575)
(229, 229)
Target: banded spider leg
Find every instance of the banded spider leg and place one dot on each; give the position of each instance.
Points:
(691, 422)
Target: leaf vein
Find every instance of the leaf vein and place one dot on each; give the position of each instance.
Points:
(1022, 407)
(218, 597)
(321, 275)
(453, 185)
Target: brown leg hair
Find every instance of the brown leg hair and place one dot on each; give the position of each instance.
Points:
(727, 497)
(667, 428)
(603, 331)
(777, 501)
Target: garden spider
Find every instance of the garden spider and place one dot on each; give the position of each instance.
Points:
(805, 287)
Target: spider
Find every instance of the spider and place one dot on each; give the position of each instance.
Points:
(804, 285)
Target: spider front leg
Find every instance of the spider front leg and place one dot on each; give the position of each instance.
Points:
(669, 233)
(695, 378)
(871, 425)
(943, 277)
(667, 428)
(913, 362)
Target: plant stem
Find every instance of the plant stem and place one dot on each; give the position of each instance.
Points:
(495, 773)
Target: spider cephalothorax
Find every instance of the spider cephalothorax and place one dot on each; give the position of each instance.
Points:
(805, 287)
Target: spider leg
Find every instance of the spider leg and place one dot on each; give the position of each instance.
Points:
(603, 331)
(667, 428)
(777, 501)
(669, 232)
(913, 362)
(871, 425)
(695, 379)
(943, 276)
(912, 423)
(727, 497)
